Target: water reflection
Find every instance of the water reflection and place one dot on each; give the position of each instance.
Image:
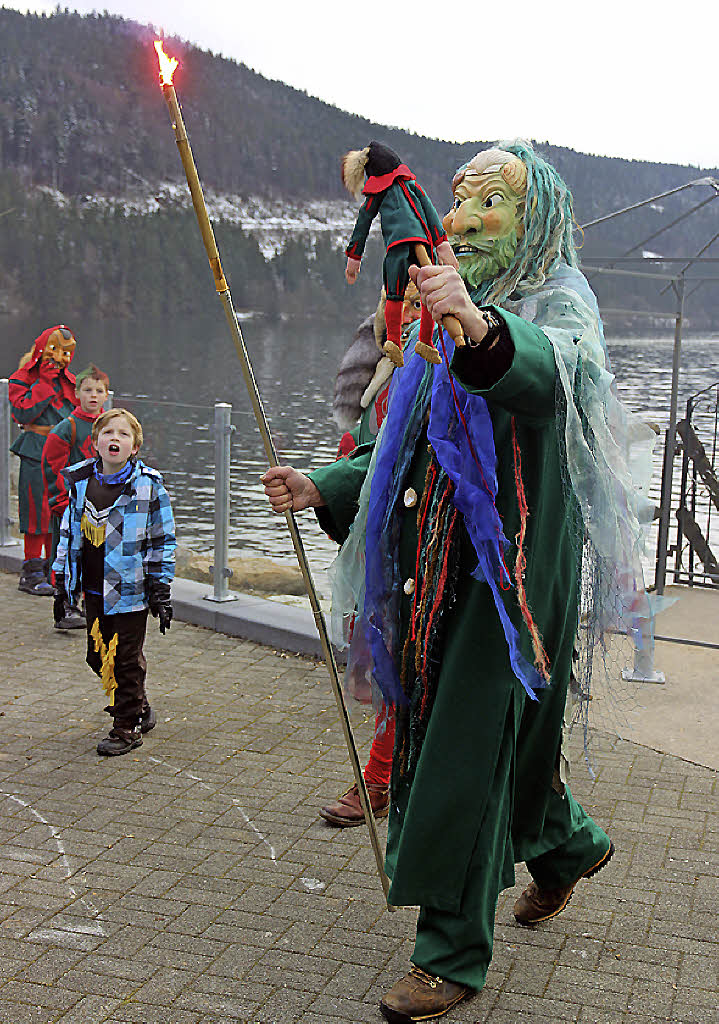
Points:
(176, 370)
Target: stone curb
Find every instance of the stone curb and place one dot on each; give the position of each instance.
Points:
(257, 619)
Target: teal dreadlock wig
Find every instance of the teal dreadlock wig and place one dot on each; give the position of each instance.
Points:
(548, 227)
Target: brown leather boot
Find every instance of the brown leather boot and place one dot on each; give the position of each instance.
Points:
(347, 811)
(535, 904)
(421, 996)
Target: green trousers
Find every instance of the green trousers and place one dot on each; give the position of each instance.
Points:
(458, 947)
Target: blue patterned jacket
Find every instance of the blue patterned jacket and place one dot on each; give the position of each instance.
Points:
(139, 538)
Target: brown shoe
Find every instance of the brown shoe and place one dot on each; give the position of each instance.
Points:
(347, 810)
(421, 996)
(535, 904)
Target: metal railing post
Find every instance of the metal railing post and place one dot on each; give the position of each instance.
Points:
(5, 520)
(220, 569)
(109, 402)
(644, 671)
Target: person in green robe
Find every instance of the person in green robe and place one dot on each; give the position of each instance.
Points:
(463, 528)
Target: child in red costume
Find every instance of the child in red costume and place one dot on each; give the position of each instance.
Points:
(363, 396)
(42, 392)
(67, 443)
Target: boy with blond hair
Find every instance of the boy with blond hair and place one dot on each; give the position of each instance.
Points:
(117, 546)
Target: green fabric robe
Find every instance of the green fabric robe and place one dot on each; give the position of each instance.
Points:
(436, 815)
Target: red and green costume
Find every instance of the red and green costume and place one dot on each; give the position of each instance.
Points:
(40, 397)
(67, 443)
(379, 766)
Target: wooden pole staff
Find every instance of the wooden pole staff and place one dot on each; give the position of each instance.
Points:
(223, 292)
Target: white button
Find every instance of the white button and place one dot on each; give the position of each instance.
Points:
(409, 587)
(410, 497)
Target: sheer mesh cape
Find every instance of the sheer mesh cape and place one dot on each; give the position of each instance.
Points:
(608, 447)
(608, 468)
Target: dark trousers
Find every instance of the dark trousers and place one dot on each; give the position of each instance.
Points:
(130, 664)
(55, 525)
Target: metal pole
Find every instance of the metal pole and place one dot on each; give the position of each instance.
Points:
(652, 199)
(644, 671)
(109, 402)
(5, 463)
(669, 445)
(220, 570)
(223, 291)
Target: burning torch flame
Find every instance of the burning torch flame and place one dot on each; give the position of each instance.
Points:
(168, 65)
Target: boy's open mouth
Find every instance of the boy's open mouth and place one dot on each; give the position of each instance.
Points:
(113, 448)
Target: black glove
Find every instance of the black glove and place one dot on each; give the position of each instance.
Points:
(58, 604)
(164, 612)
(159, 601)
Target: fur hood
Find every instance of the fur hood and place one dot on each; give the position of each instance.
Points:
(355, 373)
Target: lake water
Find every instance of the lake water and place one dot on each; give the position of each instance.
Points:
(176, 370)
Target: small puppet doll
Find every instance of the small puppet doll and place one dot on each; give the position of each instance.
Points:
(412, 233)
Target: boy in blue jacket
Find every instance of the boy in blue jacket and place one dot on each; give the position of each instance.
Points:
(117, 546)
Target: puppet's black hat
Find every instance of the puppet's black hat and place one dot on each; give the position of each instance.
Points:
(381, 160)
(373, 161)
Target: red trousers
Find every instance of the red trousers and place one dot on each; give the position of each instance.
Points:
(379, 765)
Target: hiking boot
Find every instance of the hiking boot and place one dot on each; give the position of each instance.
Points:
(536, 904)
(347, 811)
(148, 720)
(421, 996)
(72, 619)
(33, 579)
(119, 741)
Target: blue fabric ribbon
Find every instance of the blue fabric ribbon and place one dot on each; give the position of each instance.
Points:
(468, 458)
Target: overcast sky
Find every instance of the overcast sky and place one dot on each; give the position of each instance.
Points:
(613, 77)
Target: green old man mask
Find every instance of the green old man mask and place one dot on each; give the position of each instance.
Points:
(487, 217)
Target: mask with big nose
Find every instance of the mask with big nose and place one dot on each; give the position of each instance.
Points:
(59, 347)
(486, 220)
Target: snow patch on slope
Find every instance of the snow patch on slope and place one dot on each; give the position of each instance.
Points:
(272, 222)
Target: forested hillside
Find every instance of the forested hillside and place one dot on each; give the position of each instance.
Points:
(81, 113)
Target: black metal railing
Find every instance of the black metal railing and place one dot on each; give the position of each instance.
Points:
(697, 545)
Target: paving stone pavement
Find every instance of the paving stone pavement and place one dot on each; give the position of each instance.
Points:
(191, 881)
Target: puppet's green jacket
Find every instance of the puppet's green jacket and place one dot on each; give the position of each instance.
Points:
(406, 213)
(437, 814)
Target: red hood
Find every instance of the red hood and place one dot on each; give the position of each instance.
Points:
(30, 371)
